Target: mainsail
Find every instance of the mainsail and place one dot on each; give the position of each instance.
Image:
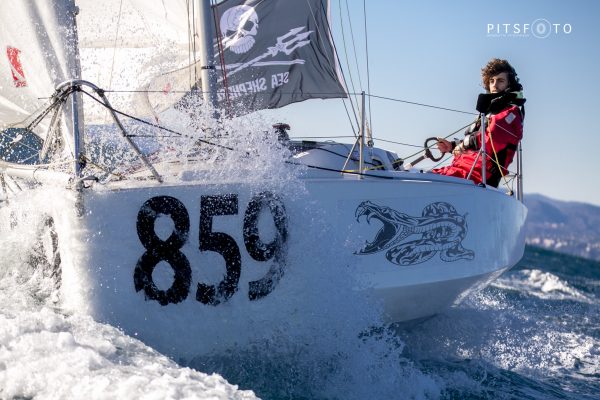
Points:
(127, 45)
(36, 54)
(145, 54)
(38, 51)
(267, 53)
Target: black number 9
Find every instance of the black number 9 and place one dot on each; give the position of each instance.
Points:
(261, 251)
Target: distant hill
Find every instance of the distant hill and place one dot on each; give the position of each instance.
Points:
(563, 226)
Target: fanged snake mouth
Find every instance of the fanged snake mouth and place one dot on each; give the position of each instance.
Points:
(383, 237)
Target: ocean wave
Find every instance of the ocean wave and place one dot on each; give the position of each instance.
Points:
(543, 285)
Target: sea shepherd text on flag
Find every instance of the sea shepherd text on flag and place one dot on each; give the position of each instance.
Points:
(275, 53)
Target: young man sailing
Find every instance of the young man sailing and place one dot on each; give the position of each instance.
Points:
(504, 129)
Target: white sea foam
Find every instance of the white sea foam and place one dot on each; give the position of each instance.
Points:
(46, 354)
(544, 285)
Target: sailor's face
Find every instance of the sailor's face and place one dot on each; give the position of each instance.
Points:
(499, 83)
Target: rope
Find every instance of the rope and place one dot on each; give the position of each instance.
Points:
(57, 100)
(496, 158)
(445, 137)
(400, 143)
(90, 161)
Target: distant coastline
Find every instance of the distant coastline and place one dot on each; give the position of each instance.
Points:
(563, 226)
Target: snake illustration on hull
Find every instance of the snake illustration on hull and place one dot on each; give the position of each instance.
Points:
(441, 229)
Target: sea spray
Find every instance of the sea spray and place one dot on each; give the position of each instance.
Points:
(48, 352)
(325, 341)
(313, 336)
(317, 335)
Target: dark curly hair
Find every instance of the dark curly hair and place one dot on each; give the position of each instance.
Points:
(496, 66)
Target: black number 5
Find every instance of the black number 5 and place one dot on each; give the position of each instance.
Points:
(222, 243)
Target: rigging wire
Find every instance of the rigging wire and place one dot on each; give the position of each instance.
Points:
(318, 93)
(191, 43)
(222, 60)
(421, 104)
(140, 120)
(346, 51)
(337, 58)
(193, 33)
(232, 149)
(112, 66)
(353, 45)
(367, 59)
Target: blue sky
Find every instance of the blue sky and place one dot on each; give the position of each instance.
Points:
(432, 52)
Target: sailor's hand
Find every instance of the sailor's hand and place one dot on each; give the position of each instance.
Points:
(444, 145)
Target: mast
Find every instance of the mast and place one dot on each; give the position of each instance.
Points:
(53, 28)
(207, 67)
(483, 153)
(363, 119)
(76, 105)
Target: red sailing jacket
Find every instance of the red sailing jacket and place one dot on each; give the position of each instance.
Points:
(504, 130)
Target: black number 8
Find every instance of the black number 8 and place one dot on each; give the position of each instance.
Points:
(163, 250)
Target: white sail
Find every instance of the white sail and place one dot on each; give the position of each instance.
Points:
(37, 53)
(125, 45)
(143, 53)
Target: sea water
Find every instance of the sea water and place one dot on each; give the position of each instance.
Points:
(534, 333)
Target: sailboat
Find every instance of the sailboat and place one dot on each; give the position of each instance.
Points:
(115, 189)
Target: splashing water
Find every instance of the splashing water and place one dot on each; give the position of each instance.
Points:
(533, 334)
(46, 353)
(316, 336)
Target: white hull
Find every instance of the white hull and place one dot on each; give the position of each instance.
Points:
(109, 273)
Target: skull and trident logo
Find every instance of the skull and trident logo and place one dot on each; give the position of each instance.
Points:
(239, 27)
